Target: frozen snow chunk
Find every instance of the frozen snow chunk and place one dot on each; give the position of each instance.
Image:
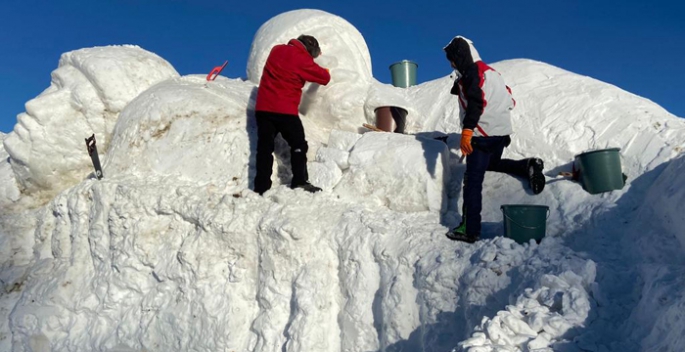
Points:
(324, 174)
(343, 140)
(337, 156)
(518, 326)
(478, 339)
(488, 254)
(402, 172)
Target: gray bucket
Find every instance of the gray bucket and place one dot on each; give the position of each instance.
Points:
(403, 73)
(600, 170)
(523, 222)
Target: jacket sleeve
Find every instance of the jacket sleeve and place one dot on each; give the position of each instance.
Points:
(475, 101)
(311, 72)
(513, 101)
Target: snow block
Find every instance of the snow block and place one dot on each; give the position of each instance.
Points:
(343, 140)
(336, 156)
(324, 174)
(402, 172)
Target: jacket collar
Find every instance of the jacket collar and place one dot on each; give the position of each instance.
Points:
(298, 44)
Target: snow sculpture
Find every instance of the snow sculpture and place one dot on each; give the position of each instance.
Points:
(9, 192)
(88, 90)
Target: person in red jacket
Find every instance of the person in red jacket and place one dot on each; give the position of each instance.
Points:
(287, 69)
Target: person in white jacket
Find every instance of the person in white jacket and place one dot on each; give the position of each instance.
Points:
(485, 103)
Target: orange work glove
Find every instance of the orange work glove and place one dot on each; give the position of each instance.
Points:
(465, 144)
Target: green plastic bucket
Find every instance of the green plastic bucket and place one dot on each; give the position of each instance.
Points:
(403, 73)
(523, 223)
(600, 170)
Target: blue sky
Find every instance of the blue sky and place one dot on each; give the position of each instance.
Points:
(636, 45)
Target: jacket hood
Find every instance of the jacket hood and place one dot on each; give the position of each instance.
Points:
(461, 51)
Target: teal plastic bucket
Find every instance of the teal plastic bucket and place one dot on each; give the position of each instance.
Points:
(523, 223)
(403, 73)
(600, 170)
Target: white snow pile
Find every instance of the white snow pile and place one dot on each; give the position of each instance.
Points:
(172, 251)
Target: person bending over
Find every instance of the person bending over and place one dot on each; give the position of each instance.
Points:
(287, 69)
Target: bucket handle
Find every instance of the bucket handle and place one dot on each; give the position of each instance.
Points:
(526, 227)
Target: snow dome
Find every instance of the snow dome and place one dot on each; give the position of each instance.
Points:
(340, 104)
(342, 46)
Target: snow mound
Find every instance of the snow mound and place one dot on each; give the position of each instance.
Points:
(662, 205)
(656, 239)
(575, 114)
(188, 128)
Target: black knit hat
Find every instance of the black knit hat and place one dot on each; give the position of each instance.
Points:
(311, 44)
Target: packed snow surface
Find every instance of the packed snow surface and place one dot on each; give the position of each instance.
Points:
(172, 251)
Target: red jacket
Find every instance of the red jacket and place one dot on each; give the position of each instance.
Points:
(287, 69)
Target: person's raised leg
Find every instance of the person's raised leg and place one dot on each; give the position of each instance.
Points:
(530, 169)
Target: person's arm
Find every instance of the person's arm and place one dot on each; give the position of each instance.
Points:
(311, 72)
(475, 99)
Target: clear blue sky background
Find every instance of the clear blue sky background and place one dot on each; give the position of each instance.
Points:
(636, 45)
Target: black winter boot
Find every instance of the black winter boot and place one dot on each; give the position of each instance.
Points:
(535, 177)
(307, 187)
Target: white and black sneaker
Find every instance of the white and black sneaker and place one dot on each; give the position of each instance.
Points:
(459, 234)
(535, 177)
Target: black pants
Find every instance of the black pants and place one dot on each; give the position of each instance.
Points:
(269, 124)
(486, 156)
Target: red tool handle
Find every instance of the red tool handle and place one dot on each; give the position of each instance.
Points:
(215, 71)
